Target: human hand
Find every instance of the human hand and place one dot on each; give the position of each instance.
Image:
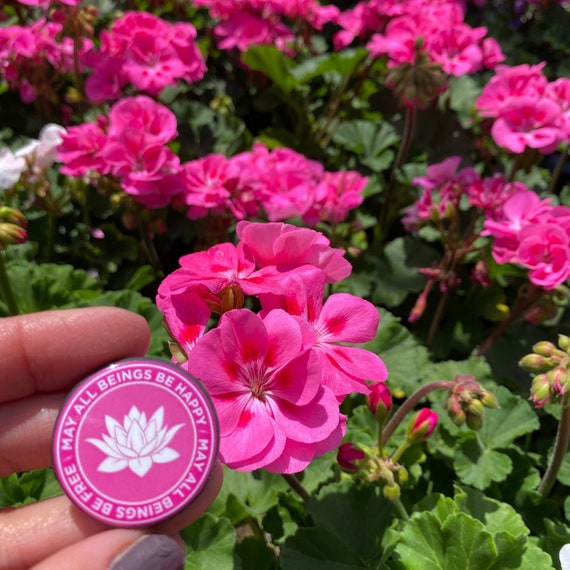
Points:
(42, 356)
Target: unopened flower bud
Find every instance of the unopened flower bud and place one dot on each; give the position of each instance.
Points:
(391, 492)
(564, 342)
(421, 426)
(540, 391)
(348, 455)
(532, 362)
(559, 378)
(475, 408)
(13, 216)
(380, 401)
(489, 400)
(473, 421)
(11, 234)
(455, 410)
(544, 348)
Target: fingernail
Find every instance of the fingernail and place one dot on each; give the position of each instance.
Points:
(151, 552)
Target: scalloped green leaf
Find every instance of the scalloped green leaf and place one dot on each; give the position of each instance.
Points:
(210, 543)
(460, 542)
(349, 525)
(480, 466)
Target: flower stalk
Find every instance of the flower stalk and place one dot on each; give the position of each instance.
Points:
(560, 448)
(297, 486)
(6, 288)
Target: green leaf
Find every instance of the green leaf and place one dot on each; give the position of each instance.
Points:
(495, 515)
(47, 286)
(478, 461)
(350, 523)
(469, 545)
(318, 549)
(394, 277)
(210, 544)
(143, 276)
(370, 140)
(340, 63)
(480, 466)
(249, 494)
(514, 418)
(273, 63)
(460, 542)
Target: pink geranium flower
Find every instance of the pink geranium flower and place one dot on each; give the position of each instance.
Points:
(287, 247)
(266, 386)
(81, 147)
(519, 210)
(545, 250)
(342, 319)
(528, 122)
(224, 270)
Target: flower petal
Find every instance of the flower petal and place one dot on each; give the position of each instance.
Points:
(347, 318)
(166, 455)
(105, 448)
(135, 438)
(140, 466)
(112, 465)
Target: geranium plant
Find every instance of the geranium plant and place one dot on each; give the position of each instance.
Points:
(351, 222)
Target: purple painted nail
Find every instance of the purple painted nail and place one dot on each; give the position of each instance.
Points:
(151, 552)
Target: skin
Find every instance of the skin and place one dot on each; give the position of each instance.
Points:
(42, 356)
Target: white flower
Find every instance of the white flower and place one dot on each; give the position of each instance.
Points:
(38, 154)
(11, 167)
(565, 557)
(136, 444)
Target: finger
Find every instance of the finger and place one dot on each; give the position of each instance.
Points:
(118, 549)
(34, 532)
(26, 427)
(53, 350)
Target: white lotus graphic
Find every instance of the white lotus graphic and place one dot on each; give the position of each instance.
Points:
(136, 444)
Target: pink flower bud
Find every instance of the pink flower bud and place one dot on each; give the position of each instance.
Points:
(347, 456)
(422, 425)
(540, 392)
(380, 400)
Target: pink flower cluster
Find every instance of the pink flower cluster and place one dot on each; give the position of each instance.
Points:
(256, 22)
(438, 24)
(142, 50)
(533, 233)
(527, 231)
(444, 36)
(528, 110)
(131, 144)
(282, 183)
(29, 54)
(276, 377)
(47, 3)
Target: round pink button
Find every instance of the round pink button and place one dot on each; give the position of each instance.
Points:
(135, 442)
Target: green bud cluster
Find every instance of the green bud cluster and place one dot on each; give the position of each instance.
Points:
(417, 84)
(550, 365)
(467, 402)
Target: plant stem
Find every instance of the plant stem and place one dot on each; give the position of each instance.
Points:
(437, 318)
(6, 288)
(407, 136)
(401, 510)
(148, 247)
(560, 447)
(411, 403)
(296, 485)
(519, 308)
(558, 170)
